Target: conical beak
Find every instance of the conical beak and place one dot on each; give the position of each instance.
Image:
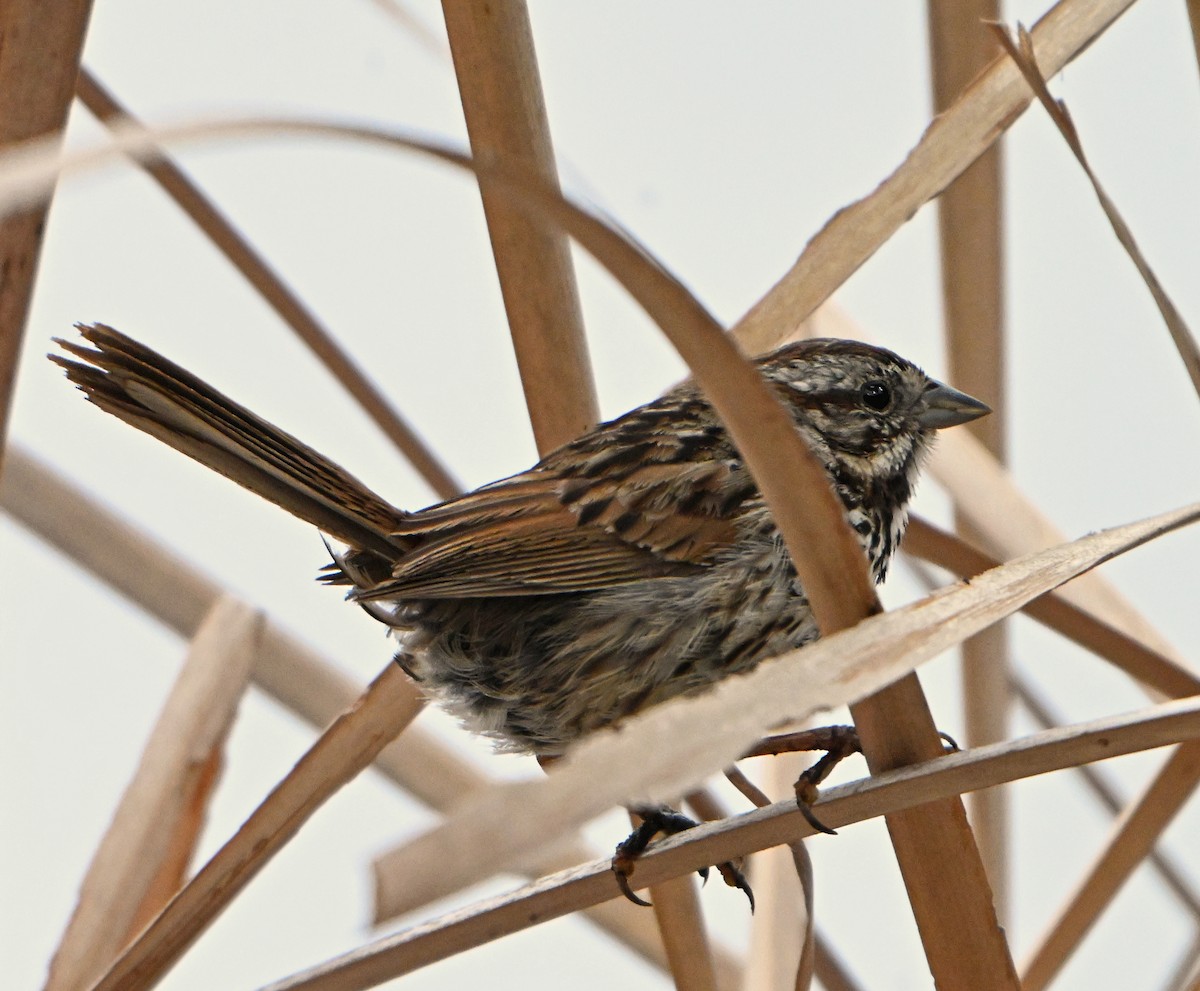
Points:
(946, 407)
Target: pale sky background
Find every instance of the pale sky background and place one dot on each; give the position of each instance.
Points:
(723, 136)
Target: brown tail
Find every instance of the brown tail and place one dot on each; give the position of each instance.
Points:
(144, 389)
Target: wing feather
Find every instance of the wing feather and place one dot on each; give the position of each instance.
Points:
(539, 533)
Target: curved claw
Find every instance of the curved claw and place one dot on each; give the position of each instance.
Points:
(952, 746)
(622, 877)
(811, 818)
(736, 879)
(669, 821)
(806, 797)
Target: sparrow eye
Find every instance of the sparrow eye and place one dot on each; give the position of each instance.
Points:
(877, 395)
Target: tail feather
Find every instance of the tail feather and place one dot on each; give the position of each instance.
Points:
(141, 387)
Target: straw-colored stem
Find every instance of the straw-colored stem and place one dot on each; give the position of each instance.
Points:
(971, 239)
(831, 971)
(1186, 976)
(1193, 9)
(947, 886)
(40, 45)
(681, 922)
(348, 746)
(156, 806)
(782, 937)
(501, 92)
(1022, 52)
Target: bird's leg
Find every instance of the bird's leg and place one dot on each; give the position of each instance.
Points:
(657, 819)
(838, 742)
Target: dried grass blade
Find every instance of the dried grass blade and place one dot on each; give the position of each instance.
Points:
(830, 969)
(155, 817)
(666, 750)
(570, 891)
(1023, 54)
(1156, 671)
(681, 922)
(1186, 976)
(1010, 525)
(433, 43)
(344, 749)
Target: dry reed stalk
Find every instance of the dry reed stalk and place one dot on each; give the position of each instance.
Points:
(41, 41)
(1193, 9)
(1132, 837)
(782, 937)
(831, 970)
(274, 291)
(1187, 974)
(970, 235)
(552, 897)
(680, 920)
(501, 93)
(157, 803)
(433, 42)
(1106, 794)
(1009, 525)
(346, 747)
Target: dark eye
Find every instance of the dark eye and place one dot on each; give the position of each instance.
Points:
(877, 395)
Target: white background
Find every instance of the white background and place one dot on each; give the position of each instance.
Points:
(723, 136)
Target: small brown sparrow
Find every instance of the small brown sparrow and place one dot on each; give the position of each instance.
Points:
(634, 564)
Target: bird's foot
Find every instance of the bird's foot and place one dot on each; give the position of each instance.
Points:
(838, 742)
(661, 819)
